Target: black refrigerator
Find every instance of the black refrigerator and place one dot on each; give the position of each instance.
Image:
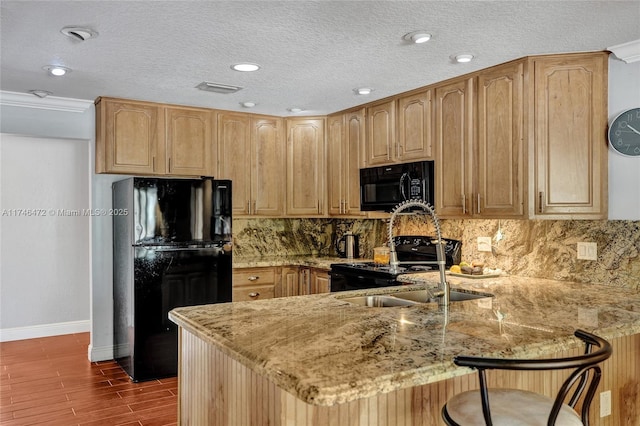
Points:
(171, 248)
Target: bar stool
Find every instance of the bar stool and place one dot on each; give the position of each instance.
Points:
(512, 407)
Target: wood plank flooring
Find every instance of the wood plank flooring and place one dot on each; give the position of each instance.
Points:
(50, 381)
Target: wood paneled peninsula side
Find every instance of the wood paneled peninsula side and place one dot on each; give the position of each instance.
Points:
(319, 360)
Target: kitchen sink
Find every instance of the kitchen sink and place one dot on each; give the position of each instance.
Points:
(410, 298)
(379, 301)
(423, 296)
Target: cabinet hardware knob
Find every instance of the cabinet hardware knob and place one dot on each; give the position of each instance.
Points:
(254, 294)
(478, 206)
(253, 278)
(464, 204)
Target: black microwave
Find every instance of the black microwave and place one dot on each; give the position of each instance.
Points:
(382, 188)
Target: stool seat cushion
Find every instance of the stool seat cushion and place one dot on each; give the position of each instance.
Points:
(509, 407)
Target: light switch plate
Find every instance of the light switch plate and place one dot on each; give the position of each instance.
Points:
(605, 403)
(484, 243)
(587, 251)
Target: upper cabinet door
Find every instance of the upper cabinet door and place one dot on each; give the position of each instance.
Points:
(500, 162)
(454, 133)
(129, 137)
(415, 127)
(336, 163)
(305, 167)
(345, 148)
(355, 148)
(189, 141)
(234, 158)
(570, 107)
(381, 134)
(268, 155)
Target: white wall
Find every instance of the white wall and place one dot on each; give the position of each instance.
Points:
(624, 172)
(44, 248)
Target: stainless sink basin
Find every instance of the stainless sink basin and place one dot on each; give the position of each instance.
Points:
(410, 298)
(379, 301)
(423, 296)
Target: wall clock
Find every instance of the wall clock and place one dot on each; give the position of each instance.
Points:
(624, 132)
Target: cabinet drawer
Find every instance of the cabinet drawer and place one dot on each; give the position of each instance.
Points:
(254, 277)
(258, 292)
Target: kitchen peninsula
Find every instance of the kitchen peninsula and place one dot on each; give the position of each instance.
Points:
(320, 360)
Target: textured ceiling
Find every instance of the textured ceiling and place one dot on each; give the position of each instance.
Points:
(313, 53)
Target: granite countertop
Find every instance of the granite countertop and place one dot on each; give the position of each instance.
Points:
(311, 261)
(327, 351)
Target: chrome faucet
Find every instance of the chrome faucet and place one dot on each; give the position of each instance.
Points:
(445, 291)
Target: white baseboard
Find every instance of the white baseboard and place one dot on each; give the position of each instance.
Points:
(101, 353)
(44, 330)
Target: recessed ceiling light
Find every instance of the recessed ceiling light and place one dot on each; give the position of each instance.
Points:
(295, 110)
(363, 90)
(248, 104)
(56, 70)
(245, 67)
(79, 33)
(417, 37)
(463, 58)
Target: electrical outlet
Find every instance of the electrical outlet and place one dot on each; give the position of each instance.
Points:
(605, 403)
(484, 243)
(587, 251)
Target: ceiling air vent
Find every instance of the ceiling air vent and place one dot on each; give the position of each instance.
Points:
(217, 87)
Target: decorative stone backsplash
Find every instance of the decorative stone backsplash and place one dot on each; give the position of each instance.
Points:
(534, 248)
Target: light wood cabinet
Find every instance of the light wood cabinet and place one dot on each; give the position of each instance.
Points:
(414, 125)
(319, 281)
(482, 173)
(345, 148)
(278, 281)
(499, 163)
(130, 137)
(380, 134)
(291, 285)
(315, 280)
(251, 153)
(306, 193)
(255, 283)
(399, 131)
(569, 136)
(189, 133)
(144, 138)
(454, 134)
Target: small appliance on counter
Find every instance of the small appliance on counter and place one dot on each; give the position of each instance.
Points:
(348, 246)
(362, 275)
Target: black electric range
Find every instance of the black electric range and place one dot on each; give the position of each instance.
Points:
(411, 249)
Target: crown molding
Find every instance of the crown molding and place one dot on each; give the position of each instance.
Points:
(27, 100)
(628, 52)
